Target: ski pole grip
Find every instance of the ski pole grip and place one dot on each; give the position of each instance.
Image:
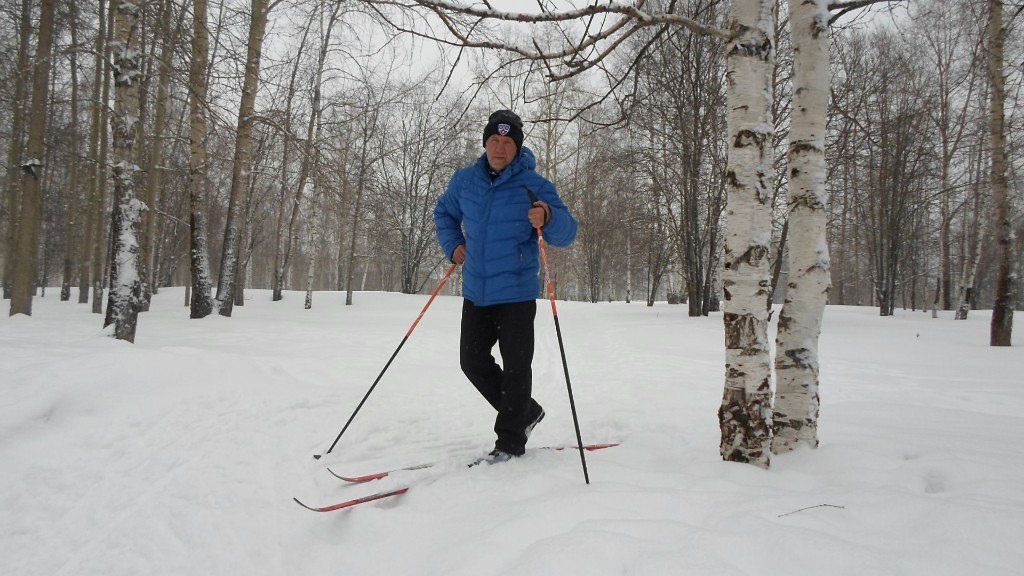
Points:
(533, 201)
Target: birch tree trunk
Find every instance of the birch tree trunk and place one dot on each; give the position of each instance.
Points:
(240, 174)
(353, 231)
(310, 158)
(26, 250)
(314, 239)
(201, 298)
(795, 419)
(974, 235)
(745, 413)
(125, 298)
(1002, 310)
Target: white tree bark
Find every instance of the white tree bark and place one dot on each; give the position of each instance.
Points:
(795, 420)
(314, 253)
(745, 413)
(125, 298)
(972, 255)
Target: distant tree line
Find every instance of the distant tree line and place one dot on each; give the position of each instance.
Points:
(324, 179)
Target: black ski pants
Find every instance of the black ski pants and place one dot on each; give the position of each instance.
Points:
(507, 388)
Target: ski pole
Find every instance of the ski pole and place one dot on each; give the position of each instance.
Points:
(390, 360)
(561, 347)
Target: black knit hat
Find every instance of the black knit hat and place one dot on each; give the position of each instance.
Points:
(505, 123)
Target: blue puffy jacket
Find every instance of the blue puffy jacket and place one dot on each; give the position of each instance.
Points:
(490, 218)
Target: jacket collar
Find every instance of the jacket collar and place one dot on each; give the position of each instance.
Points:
(525, 160)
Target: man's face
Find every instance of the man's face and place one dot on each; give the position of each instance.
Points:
(501, 150)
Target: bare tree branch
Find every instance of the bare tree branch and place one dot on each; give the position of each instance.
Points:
(633, 12)
(846, 6)
(580, 51)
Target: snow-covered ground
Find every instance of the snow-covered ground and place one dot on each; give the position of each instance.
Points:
(180, 454)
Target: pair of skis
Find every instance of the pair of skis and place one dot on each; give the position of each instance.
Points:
(399, 491)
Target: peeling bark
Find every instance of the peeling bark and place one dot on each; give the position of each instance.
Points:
(795, 418)
(745, 413)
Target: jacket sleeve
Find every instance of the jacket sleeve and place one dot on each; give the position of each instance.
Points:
(448, 219)
(561, 228)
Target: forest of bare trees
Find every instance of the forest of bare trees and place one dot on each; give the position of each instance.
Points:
(353, 136)
(717, 153)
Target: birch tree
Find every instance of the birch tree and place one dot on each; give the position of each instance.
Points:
(745, 414)
(795, 417)
(125, 298)
(974, 230)
(201, 300)
(314, 241)
(98, 250)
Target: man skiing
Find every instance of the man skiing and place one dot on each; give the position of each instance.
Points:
(486, 222)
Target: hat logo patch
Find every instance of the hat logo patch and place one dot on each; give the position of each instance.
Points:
(504, 129)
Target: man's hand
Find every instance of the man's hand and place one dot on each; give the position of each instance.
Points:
(539, 214)
(459, 256)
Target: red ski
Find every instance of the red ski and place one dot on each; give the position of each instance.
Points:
(377, 475)
(386, 473)
(355, 502)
